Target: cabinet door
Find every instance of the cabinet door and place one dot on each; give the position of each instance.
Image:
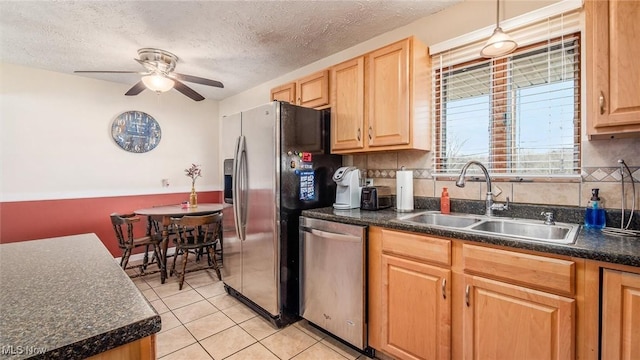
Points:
(313, 90)
(613, 53)
(347, 105)
(620, 315)
(416, 309)
(388, 96)
(286, 92)
(504, 321)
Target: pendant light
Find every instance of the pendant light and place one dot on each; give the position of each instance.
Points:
(499, 43)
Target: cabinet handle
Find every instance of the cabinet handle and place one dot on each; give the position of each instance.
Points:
(444, 288)
(466, 295)
(601, 103)
(370, 131)
(358, 134)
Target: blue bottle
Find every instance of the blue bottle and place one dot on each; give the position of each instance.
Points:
(595, 217)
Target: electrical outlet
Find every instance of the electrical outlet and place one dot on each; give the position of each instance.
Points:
(368, 182)
(165, 182)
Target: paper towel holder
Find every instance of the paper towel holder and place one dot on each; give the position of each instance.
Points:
(404, 191)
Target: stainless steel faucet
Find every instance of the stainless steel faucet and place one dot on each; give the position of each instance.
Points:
(549, 218)
(490, 206)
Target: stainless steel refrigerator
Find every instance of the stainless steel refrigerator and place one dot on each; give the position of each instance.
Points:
(276, 163)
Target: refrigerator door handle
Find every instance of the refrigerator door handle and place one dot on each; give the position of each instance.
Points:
(244, 198)
(235, 187)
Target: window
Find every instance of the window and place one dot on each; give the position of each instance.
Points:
(518, 114)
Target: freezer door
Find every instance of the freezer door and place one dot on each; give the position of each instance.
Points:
(232, 249)
(260, 258)
(307, 167)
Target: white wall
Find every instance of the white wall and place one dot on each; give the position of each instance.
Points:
(55, 139)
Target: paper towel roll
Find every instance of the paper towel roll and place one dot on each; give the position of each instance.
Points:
(404, 190)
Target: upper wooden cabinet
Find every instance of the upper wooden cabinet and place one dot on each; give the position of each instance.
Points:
(613, 74)
(313, 91)
(388, 111)
(347, 105)
(310, 91)
(286, 93)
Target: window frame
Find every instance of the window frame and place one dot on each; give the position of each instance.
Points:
(499, 159)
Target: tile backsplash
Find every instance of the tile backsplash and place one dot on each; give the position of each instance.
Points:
(599, 171)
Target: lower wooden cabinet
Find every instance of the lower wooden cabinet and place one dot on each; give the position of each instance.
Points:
(416, 309)
(439, 298)
(436, 298)
(620, 315)
(504, 321)
(142, 349)
(409, 294)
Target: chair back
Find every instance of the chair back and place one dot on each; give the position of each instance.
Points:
(198, 230)
(123, 227)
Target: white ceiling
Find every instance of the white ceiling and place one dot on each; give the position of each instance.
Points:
(240, 43)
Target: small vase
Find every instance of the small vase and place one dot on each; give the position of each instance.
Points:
(193, 198)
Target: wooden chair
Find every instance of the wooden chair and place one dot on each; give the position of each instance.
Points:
(197, 234)
(123, 225)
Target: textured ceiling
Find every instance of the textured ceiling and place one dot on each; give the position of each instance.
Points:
(240, 43)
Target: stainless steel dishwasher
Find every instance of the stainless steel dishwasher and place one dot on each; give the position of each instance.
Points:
(333, 278)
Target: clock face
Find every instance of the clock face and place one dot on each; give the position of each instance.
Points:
(136, 131)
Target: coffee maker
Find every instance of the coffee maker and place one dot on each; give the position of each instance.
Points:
(348, 188)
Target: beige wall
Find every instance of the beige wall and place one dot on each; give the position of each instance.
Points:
(599, 158)
(380, 167)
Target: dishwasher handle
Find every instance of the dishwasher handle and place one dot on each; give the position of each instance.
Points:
(331, 235)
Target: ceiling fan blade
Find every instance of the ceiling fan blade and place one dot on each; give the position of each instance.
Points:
(196, 79)
(108, 72)
(136, 89)
(187, 91)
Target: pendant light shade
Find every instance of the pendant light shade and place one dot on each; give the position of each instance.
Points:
(158, 83)
(499, 43)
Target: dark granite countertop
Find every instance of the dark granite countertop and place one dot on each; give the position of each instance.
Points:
(66, 298)
(590, 244)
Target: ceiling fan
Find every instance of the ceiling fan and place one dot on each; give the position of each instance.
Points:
(159, 75)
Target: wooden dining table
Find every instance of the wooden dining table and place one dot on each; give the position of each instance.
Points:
(163, 215)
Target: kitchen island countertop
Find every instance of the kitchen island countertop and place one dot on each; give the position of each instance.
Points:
(589, 244)
(66, 298)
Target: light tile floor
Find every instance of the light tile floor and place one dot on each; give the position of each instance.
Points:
(202, 322)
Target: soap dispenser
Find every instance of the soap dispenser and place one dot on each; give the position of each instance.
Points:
(445, 203)
(595, 218)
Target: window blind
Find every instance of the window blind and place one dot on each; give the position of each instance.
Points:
(518, 114)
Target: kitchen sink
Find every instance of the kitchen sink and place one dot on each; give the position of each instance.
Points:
(438, 219)
(521, 229)
(561, 233)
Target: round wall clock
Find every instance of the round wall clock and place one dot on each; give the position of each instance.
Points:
(136, 131)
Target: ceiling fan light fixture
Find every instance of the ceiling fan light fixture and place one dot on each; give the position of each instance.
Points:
(158, 83)
(499, 43)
